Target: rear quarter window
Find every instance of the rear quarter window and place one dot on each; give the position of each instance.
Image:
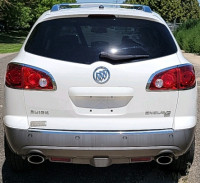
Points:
(81, 40)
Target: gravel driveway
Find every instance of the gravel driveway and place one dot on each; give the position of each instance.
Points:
(63, 173)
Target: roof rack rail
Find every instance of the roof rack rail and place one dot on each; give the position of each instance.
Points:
(58, 7)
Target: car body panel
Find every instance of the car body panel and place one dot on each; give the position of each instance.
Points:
(63, 114)
(82, 119)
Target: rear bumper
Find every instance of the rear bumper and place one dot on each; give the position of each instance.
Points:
(88, 144)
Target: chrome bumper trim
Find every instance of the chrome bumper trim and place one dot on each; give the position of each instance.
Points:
(101, 132)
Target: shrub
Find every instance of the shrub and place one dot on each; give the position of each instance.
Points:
(188, 37)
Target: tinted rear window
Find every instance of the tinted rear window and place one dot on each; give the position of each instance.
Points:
(81, 40)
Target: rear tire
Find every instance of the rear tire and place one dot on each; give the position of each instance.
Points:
(183, 163)
(15, 162)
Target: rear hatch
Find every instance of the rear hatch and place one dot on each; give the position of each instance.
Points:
(101, 67)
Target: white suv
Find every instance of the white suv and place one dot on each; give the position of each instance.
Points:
(100, 84)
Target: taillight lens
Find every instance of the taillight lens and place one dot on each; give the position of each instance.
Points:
(177, 78)
(187, 77)
(21, 76)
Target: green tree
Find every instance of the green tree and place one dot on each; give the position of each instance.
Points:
(17, 14)
(171, 10)
(1, 1)
(143, 2)
(23, 13)
(43, 5)
(191, 9)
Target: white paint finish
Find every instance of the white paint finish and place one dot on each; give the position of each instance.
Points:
(100, 91)
(186, 111)
(103, 123)
(14, 102)
(63, 114)
(83, 12)
(101, 97)
(132, 75)
(100, 102)
(184, 122)
(14, 109)
(17, 121)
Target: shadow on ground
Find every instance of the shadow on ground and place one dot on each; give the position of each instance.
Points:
(63, 173)
(17, 36)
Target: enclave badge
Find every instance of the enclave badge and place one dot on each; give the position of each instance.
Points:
(101, 75)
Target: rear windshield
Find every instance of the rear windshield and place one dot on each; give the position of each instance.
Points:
(91, 39)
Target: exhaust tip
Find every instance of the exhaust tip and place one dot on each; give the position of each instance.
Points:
(164, 159)
(35, 159)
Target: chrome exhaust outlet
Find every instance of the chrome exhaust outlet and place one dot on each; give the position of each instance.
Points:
(164, 159)
(35, 159)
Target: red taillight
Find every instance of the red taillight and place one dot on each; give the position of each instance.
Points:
(187, 77)
(177, 78)
(21, 76)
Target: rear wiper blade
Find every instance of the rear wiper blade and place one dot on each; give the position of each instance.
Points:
(121, 57)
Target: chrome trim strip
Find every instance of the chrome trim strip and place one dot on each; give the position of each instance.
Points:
(102, 148)
(102, 132)
(162, 70)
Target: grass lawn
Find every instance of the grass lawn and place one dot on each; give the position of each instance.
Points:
(12, 41)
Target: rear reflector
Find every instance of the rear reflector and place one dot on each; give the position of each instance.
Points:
(21, 76)
(61, 160)
(180, 77)
(141, 159)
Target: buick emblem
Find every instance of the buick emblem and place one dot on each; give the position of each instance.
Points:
(101, 75)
